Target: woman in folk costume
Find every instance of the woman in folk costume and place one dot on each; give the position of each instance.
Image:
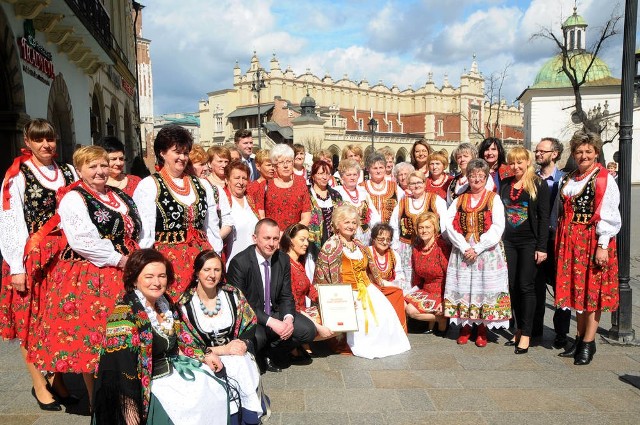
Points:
(28, 202)
(464, 153)
(154, 367)
(179, 211)
(345, 260)
(354, 194)
(101, 226)
(384, 193)
(477, 283)
(587, 274)
(417, 201)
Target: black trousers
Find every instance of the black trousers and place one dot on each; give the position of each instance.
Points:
(269, 343)
(522, 266)
(547, 276)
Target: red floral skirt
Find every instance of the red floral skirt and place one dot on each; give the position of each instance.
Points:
(182, 257)
(580, 283)
(72, 323)
(19, 310)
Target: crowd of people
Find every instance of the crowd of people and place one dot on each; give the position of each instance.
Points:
(172, 294)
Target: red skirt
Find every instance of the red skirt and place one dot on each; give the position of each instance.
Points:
(580, 283)
(72, 324)
(19, 310)
(182, 257)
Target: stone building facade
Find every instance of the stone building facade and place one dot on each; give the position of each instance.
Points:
(444, 115)
(73, 63)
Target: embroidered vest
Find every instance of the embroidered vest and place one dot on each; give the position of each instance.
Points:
(120, 229)
(406, 219)
(389, 273)
(386, 202)
(173, 218)
(39, 201)
(473, 222)
(452, 186)
(582, 205)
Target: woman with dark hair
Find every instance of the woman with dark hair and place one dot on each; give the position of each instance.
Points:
(179, 211)
(387, 261)
(324, 199)
(526, 201)
(154, 367)
(492, 151)
(299, 155)
(219, 158)
(295, 242)
(117, 178)
(28, 202)
(587, 274)
(101, 226)
(430, 258)
(224, 320)
(420, 152)
(243, 209)
(477, 283)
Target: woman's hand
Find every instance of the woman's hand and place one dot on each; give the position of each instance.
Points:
(540, 256)
(602, 256)
(19, 282)
(470, 255)
(324, 332)
(236, 347)
(213, 361)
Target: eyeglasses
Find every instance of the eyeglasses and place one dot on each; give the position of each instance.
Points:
(541, 152)
(477, 177)
(383, 240)
(286, 162)
(415, 184)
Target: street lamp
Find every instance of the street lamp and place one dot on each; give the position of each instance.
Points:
(373, 127)
(256, 86)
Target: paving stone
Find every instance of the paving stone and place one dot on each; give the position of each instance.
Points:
(357, 378)
(366, 419)
(610, 400)
(479, 379)
(358, 400)
(316, 418)
(534, 400)
(303, 379)
(461, 400)
(18, 419)
(438, 378)
(286, 401)
(415, 400)
(431, 418)
(395, 379)
(497, 362)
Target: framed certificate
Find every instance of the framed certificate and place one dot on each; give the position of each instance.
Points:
(337, 307)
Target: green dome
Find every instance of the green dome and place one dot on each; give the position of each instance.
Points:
(574, 20)
(551, 75)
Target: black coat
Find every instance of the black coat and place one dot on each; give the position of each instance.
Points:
(244, 274)
(538, 210)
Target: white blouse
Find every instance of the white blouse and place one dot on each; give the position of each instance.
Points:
(82, 235)
(13, 227)
(245, 222)
(462, 184)
(363, 196)
(441, 210)
(145, 199)
(488, 239)
(610, 219)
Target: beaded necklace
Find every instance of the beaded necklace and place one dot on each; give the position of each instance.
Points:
(413, 204)
(434, 184)
(516, 195)
(44, 176)
(185, 190)
(354, 199)
(111, 201)
(215, 310)
(382, 265)
(582, 176)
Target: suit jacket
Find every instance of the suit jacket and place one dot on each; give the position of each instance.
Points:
(244, 274)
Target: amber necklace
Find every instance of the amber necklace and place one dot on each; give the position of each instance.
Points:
(185, 190)
(516, 195)
(44, 176)
(111, 201)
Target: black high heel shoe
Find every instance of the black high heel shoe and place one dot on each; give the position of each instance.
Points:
(571, 351)
(54, 406)
(519, 350)
(67, 401)
(585, 353)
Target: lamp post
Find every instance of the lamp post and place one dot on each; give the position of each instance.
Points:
(256, 86)
(373, 127)
(622, 324)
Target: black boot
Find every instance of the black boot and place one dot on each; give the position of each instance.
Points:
(585, 353)
(571, 351)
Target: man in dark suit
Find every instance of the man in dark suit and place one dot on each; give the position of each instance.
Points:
(244, 142)
(263, 269)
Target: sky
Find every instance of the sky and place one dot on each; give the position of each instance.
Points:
(196, 43)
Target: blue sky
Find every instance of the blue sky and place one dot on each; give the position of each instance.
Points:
(195, 43)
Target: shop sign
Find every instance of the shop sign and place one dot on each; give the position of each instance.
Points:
(36, 60)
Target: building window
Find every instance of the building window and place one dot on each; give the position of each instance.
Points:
(219, 126)
(334, 120)
(440, 128)
(390, 126)
(475, 119)
(360, 124)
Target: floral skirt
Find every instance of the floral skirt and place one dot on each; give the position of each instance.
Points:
(72, 323)
(182, 256)
(19, 310)
(478, 292)
(424, 301)
(580, 283)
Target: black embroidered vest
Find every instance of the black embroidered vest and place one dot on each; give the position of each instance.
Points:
(39, 201)
(173, 218)
(111, 224)
(406, 219)
(583, 204)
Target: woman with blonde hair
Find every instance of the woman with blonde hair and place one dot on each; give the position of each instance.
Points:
(199, 162)
(355, 153)
(526, 201)
(438, 180)
(219, 157)
(345, 260)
